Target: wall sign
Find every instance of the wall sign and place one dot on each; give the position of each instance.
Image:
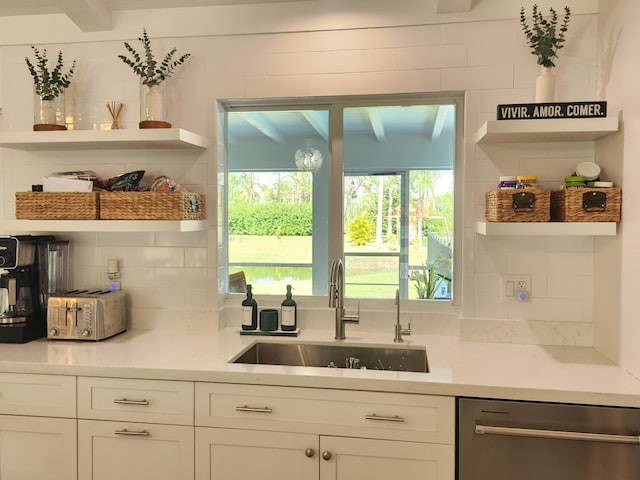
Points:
(529, 111)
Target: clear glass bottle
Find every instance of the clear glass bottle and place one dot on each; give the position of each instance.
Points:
(288, 313)
(249, 311)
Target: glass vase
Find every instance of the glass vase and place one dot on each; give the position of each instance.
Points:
(49, 114)
(153, 106)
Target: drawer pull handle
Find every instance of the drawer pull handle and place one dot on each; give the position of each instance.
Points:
(385, 418)
(310, 452)
(125, 401)
(246, 408)
(326, 455)
(135, 433)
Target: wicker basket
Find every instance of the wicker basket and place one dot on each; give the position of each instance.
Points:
(586, 205)
(57, 205)
(151, 206)
(512, 205)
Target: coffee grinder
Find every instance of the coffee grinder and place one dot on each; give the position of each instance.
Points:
(26, 284)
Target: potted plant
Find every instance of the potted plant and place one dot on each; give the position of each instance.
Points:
(49, 86)
(152, 75)
(545, 37)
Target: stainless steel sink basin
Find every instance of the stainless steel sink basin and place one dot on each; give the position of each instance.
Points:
(404, 359)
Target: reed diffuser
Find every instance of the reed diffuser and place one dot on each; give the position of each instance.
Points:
(115, 109)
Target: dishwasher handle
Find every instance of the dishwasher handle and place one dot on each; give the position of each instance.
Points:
(557, 434)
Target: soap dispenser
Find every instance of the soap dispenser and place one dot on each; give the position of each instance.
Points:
(289, 313)
(249, 311)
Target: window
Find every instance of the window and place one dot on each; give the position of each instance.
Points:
(370, 182)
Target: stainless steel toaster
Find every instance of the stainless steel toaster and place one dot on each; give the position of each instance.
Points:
(86, 315)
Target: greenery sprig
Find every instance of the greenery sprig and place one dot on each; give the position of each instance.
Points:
(48, 84)
(146, 67)
(543, 36)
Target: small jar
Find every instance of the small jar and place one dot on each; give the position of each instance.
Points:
(589, 170)
(575, 181)
(507, 182)
(527, 182)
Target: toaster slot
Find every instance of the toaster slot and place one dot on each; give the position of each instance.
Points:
(72, 313)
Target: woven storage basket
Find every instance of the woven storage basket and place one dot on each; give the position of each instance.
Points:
(57, 205)
(151, 206)
(586, 205)
(511, 205)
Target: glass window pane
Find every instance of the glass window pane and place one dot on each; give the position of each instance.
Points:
(371, 276)
(277, 169)
(398, 197)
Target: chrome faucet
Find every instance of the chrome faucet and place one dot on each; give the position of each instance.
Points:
(399, 330)
(336, 298)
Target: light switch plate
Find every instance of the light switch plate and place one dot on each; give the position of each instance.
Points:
(511, 285)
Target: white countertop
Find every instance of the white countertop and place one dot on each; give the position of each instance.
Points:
(528, 372)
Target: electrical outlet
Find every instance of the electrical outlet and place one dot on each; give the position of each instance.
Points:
(515, 288)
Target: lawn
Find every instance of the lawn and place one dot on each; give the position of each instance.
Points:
(370, 277)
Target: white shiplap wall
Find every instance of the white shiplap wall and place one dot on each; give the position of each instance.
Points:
(172, 277)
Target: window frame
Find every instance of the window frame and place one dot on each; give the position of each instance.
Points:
(335, 107)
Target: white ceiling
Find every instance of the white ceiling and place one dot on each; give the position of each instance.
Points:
(95, 15)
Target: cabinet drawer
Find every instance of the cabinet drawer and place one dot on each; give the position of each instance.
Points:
(154, 401)
(39, 395)
(421, 418)
(119, 450)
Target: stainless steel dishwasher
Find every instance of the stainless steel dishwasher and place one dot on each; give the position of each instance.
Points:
(513, 440)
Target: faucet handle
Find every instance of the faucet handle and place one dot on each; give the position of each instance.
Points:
(407, 331)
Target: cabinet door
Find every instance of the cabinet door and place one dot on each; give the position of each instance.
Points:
(33, 448)
(226, 454)
(134, 451)
(343, 458)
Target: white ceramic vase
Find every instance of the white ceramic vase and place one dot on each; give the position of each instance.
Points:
(545, 85)
(153, 107)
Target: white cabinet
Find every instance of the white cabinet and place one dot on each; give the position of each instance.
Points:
(109, 450)
(242, 430)
(141, 139)
(34, 444)
(34, 448)
(546, 131)
(344, 458)
(227, 454)
(153, 401)
(130, 429)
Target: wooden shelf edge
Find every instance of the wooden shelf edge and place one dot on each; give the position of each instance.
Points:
(546, 228)
(548, 130)
(73, 139)
(103, 225)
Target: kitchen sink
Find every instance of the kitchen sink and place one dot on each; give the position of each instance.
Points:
(404, 359)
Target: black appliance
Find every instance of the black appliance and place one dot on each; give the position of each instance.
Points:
(25, 285)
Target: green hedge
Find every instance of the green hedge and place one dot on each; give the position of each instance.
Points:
(272, 219)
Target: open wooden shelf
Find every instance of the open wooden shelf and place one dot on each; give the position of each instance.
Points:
(553, 130)
(547, 228)
(103, 139)
(103, 225)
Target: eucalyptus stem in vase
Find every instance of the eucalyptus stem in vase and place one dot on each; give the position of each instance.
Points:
(545, 37)
(49, 87)
(152, 75)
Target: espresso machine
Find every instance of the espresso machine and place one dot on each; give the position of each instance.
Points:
(36, 267)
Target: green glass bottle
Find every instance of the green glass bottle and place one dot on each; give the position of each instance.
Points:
(289, 313)
(249, 311)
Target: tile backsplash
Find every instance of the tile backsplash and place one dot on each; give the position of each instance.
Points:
(172, 278)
